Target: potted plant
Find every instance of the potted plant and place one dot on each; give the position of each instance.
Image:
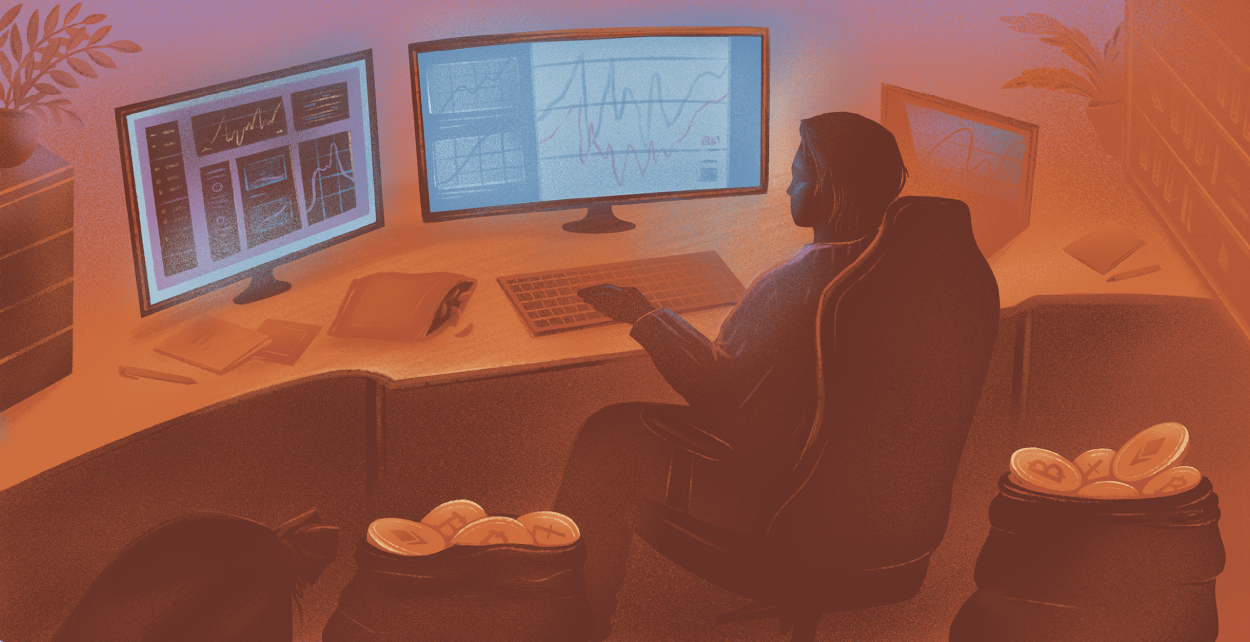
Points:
(31, 81)
(1103, 82)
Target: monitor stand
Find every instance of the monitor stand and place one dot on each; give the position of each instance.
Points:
(263, 285)
(599, 219)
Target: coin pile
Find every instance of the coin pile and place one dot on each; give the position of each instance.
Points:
(1145, 466)
(463, 522)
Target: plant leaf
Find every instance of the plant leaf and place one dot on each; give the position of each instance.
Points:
(124, 46)
(15, 43)
(10, 16)
(1055, 79)
(102, 59)
(1075, 52)
(99, 34)
(63, 79)
(82, 67)
(6, 67)
(32, 29)
(49, 23)
(1037, 24)
(4, 38)
(72, 13)
(45, 88)
(93, 18)
(79, 35)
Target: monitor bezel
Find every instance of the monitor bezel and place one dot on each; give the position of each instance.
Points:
(465, 42)
(1024, 204)
(146, 306)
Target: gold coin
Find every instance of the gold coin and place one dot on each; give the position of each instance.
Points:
(449, 517)
(404, 537)
(1108, 490)
(1150, 452)
(550, 528)
(1172, 481)
(1011, 477)
(1095, 464)
(493, 530)
(1046, 470)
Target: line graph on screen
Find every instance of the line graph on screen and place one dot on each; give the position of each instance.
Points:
(644, 119)
(968, 154)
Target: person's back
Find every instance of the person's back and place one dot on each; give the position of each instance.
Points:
(755, 385)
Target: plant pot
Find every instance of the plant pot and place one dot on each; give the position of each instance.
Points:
(1107, 118)
(19, 137)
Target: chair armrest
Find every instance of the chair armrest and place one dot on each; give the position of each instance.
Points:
(685, 435)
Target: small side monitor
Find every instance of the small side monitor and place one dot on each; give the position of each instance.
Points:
(957, 151)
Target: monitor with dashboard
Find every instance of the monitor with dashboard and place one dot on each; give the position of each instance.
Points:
(589, 118)
(224, 183)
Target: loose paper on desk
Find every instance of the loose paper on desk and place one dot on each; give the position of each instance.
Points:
(1105, 246)
(290, 339)
(213, 344)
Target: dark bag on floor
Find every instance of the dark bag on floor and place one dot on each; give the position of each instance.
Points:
(501, 592)
(1080, 569)
(204, 578)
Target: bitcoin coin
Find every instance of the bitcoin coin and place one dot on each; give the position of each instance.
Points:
(449, 517)
(404, 537)
(1108, 490)
(493, 530)
(1011, 477)
(1095, 464)
(550, 528)
(1046, 470)
(1172, 481)
(1150, 452)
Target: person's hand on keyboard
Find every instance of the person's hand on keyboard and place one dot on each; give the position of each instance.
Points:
(624, 304)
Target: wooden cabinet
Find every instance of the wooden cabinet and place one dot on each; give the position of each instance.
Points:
(36, 275)
(1189, 135)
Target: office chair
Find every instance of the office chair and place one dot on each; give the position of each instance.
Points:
(903, 341)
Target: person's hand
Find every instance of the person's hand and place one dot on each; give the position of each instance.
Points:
(624, 304)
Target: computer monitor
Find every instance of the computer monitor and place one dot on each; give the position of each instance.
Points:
(976, 156)
(589, 118)
(224, 183)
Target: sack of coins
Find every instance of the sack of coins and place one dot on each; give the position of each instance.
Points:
(1145, 466)
(462, 522)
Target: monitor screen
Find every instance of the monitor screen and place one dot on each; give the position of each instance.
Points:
(963, 152)
(229, 180)
(552, 120)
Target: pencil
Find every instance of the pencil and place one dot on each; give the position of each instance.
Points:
(134, 373)
(1132, 273)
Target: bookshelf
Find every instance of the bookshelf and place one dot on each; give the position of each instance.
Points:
(1188, 144)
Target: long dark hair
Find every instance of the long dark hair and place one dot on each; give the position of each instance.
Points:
(859, 160)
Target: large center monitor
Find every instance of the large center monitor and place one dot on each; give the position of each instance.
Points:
(225, 182)
(589, 118)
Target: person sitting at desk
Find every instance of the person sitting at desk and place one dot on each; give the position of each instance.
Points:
(755, 385)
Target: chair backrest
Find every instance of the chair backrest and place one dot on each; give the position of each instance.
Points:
(904, 337)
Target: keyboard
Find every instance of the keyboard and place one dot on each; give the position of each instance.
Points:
(548, 301)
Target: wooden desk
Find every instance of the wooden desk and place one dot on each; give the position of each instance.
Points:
(95, 406)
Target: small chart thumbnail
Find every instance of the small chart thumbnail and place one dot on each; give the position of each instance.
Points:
(234, 127)
(478, 161)
(268, 189)
(220, 218)
(320, 106)
(326, 168)
(474, 85)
